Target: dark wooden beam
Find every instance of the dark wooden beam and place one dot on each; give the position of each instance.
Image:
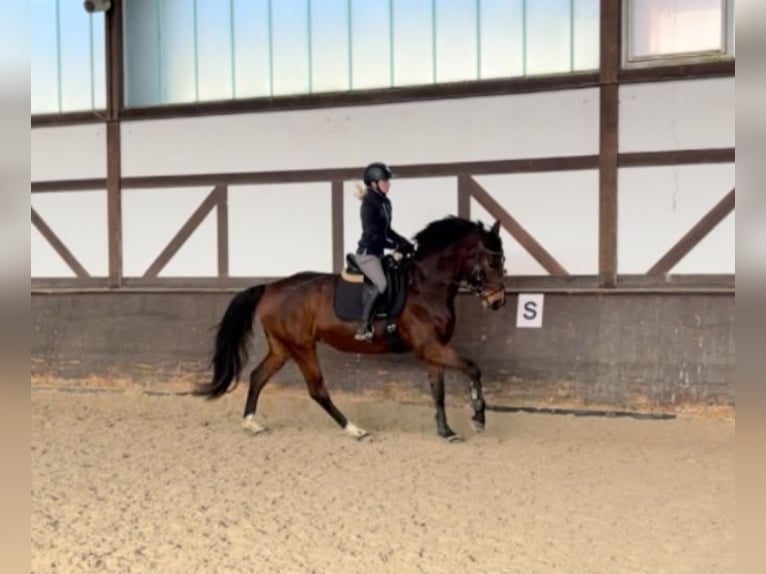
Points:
(694, 235)
(62, 185)
(337, 222)
(114, 201)
(489, 87)
(507, 166)
(207, 205)
(512, 226)
(676, 157)
(114, 104)
(67, 119)
(502, 86)
(585, 283)
(608, 140)
(718, 69)
(463, 198)
(195, 283)
(58, 284)
(114, 61)
(524, 165)
(58, 245)
(222, 211)
(571, 284)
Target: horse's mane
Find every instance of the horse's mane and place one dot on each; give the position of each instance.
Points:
(440, 234)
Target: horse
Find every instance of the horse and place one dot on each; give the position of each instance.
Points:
(297, 312)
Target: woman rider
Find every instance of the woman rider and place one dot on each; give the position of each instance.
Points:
(376, 236)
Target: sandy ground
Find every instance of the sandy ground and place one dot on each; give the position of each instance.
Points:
(125, 482)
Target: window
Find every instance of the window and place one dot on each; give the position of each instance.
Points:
(669, 30)
(201, 50)
(67, 58)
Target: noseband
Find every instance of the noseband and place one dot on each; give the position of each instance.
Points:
(478, 279)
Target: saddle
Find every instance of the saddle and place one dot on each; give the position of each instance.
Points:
(348, 291)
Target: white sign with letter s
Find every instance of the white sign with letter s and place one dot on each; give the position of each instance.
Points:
(530, 310)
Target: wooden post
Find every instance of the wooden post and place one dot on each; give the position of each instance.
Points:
(608, 141)
(463, 197)
(337, 223)
(222, 210)
(114, 105)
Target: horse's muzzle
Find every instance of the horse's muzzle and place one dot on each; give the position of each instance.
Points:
(494, 299)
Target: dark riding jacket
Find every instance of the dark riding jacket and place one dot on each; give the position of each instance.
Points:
(376, 226)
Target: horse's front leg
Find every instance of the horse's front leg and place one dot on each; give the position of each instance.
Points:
(436, 380)
(444, 356)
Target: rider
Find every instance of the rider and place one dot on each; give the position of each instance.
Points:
(376, 235)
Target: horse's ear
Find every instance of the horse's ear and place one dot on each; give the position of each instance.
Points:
(495, 230)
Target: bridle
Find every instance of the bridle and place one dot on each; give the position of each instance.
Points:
(477, 280)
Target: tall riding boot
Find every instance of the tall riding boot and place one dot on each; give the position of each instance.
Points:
(369, 296)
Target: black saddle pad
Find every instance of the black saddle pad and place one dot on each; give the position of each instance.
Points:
(347, 301)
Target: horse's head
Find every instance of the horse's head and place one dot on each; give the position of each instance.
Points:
(485, 267)
(470, 253)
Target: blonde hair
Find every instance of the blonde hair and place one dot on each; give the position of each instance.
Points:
(360, 190)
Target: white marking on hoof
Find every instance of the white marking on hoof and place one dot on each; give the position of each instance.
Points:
(355, 431)
(477, 426)
(249, 424)
(454, 438)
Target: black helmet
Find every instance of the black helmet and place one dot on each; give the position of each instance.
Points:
(377, 171)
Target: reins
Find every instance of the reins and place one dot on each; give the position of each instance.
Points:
(475, 283)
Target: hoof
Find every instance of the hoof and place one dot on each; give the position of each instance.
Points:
(453, 438)
(356, 432)
(477, 426)
(252, 427)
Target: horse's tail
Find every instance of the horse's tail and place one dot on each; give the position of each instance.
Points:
(231, 342)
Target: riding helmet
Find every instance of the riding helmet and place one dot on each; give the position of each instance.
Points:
(377, 171)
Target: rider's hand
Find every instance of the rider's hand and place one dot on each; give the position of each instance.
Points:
(406, 248)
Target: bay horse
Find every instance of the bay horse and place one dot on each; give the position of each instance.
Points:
(297, 312)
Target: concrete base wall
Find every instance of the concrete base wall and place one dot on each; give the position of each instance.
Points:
(622, 351)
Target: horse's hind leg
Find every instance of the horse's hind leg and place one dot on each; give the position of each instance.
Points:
(307, 361)
(270, 364)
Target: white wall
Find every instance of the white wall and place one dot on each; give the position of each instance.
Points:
(151, 217)
(279, 229)
(498, 127)
(68, 152)
(677, 115)
(657, 206)
(80, 220)
(560, 210)
(275, 230)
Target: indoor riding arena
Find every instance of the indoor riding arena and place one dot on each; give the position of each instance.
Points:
(184, 152)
